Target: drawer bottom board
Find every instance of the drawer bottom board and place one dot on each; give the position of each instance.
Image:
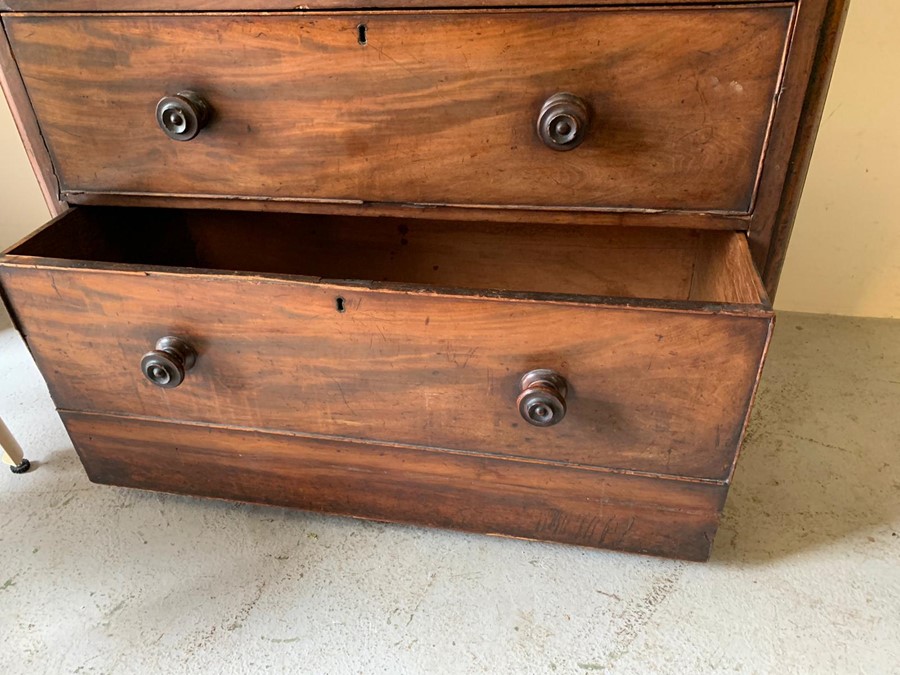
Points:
(525, 499)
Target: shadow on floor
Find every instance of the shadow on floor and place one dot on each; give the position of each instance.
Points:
(822, 457)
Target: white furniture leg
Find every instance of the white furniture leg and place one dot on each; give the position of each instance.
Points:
(11, 451)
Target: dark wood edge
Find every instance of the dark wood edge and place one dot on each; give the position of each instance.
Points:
(810, 64)
(9, 258)
(751, 402)
(775, 240)
(235, 6)
(747, 259)
(410, 446)
(761, 309)
(28, 237)
(27, 124)
(513, 214)
(14, 317)
(4, 298)
(774, 117)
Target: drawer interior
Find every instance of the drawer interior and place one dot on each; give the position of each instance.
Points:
(623, 262)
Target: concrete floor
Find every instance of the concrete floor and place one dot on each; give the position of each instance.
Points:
(805, 576)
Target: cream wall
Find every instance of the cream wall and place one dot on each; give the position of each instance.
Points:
(22, 206)
(844, 256)
(845, 251)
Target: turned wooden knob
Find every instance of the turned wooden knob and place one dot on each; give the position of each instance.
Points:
(167, 365)
(182, 116)
(563, 121)
(543, 398)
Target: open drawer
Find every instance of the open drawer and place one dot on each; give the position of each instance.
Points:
(402, 331)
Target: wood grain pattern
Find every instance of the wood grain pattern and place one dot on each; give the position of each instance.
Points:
(773, 231)
(796, 86)
(658, 387)
(724, 269)
(629, 513)
(437, 108)
(23, 115)
(391, 395)
(667, 219)
(636, 263)
(291, 5)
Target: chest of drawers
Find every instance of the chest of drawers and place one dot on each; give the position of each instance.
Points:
(501, 269)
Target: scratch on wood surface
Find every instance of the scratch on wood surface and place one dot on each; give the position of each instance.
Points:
(343, 395)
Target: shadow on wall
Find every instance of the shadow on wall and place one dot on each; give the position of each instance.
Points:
(22, 207)
(844, 256)
(820, 462)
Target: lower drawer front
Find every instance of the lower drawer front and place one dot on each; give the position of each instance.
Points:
(652, 386)
(653, 391)
(521, 499)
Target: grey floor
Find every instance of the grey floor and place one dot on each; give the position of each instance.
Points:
(805, 576)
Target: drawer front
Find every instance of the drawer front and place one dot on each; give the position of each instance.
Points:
(437, 108)
(631, 513)
(648, 389)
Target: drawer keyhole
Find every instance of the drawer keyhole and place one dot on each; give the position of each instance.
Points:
(339, 304)
(361, 34)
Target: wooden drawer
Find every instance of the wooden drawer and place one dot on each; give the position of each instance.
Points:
(480, 494)
(435, 108)
(659, 334)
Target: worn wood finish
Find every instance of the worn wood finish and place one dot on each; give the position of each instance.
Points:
(436, 108)
(630, 513)
(658, 386)
(812, 54)
(772, 232)
(637, 263)
(667, 219)
(723, 268)
(392, 394)
(291, 5)
(23, 116)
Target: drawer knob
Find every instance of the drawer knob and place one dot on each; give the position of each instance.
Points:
(543, 398)
(563, 121)
(166, 365)
(182, 116)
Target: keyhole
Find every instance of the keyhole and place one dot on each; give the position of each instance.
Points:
(361, 34)
(339, 304)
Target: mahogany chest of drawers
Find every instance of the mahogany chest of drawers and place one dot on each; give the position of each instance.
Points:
(505, 269)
